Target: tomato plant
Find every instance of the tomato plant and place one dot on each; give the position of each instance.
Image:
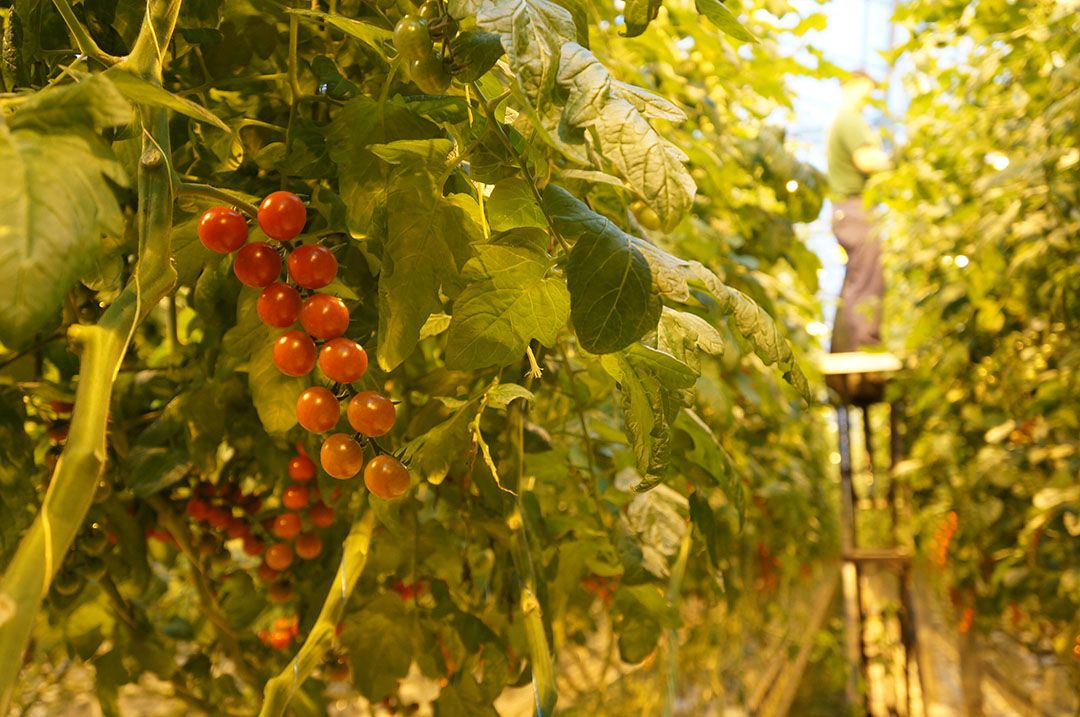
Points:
(573, 268)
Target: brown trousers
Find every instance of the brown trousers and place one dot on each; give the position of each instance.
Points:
(858, 317)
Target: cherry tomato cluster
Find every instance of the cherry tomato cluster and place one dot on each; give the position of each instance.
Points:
(226, 512)
(943, 537)
(414, 37)
(282, 633)
(300, 501)
(86, 561)
(324, 318)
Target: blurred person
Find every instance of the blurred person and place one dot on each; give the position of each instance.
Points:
(854, 154)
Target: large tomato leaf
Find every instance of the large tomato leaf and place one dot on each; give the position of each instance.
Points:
(653, 166)
(427, 242)
(56, 201)
(362, 178)
(512, 297)
(612, 302)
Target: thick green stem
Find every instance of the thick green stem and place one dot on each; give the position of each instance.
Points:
(101, 347)
(671, 661)
(205, 190)
(81, 35)
(281, 688)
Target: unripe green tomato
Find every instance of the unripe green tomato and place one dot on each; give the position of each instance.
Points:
(646, 215)
(429, 74)
(67, 583)
(94, 569)
(103, 491)
(430, 11)
(94, 541)
(411, 38)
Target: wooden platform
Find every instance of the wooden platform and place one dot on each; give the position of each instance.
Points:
(858, 362)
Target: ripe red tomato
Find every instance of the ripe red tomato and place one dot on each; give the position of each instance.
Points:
(295, 497)
(280, 640)
(223, 229)
(312, 266)
(287, 526)
(371, 413)
(279, 556)
(343, 360)
(294, 353)
(253, 546)
(257, 265)
(198, 509)
(308, 546)
(278, 305)
(218, 518)
(386, 477)
(266, 573)
(317, 410)
(301, 468)
(341, 456)
(324, 316)
(321, 515)
(282, 215)
(237, 528)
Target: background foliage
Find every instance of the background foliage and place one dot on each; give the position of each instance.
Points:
(983, 213)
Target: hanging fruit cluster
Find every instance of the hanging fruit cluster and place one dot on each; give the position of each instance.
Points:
(324, 318)
(943, 537)
(282, 634)
(414, 39)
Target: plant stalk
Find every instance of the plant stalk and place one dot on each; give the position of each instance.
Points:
(280, 689)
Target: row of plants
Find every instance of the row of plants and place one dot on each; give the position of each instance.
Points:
(983, 213)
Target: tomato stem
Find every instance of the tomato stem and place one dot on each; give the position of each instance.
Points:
(191, 189)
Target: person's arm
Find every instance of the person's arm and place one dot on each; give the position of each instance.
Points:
(871, 159)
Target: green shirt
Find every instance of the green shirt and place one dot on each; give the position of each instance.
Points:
(848, 133)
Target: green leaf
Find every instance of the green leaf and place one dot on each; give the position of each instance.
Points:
(463, 698)
(153, 468)
(653, 166)
(512, 205)
(445, 446)
(56, 201)
(649, 405)
(142, 92)
(532, 31)
(381, 628)
(725, 19)
(612, 302)
(758, 328)
(474, 52)
(641, 615)
(90, 104)
(711, 458)
(709, 526)
(638, 15)
(686, 336)
(512, 298)
(373, 36)
(427, 243)
(362, 178)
